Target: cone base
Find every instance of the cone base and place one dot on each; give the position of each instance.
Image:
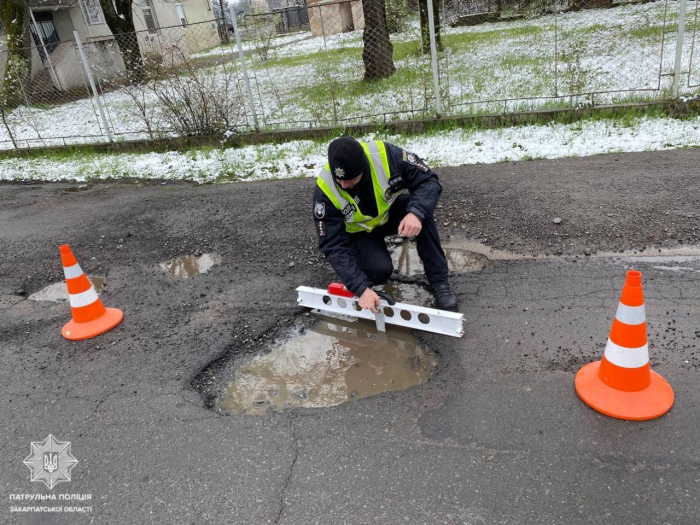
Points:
(78, 331)
(650, 403)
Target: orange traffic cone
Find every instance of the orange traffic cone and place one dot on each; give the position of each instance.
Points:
(622, 385)
(90, 317)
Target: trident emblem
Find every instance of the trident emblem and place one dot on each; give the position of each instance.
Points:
(50, 461)
(45, 464)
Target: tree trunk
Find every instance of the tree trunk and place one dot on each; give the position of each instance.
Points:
(425, 27)
(131, 55)
(377, 52)
(224, 33)
(15, 18)
(121, 23)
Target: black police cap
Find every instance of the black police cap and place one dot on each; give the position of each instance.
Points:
(346, 158)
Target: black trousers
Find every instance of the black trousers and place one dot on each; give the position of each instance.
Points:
(372, 255)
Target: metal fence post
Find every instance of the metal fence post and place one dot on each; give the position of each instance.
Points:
(92, 85)
(679, 47)
(243, 69)
(433, 56)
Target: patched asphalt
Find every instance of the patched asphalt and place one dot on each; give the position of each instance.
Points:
(498, 435)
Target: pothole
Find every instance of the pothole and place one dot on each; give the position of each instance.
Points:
(677, 263)
(331, 362)
(642, 254)
(58, 292)
(406, 260)
(189, 265)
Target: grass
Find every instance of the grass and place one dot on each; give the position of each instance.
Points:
(653, 33)
(464, 40)
(522, 61)
(413, 74)
(626, 116)
(273, 160)
(268, 153)
(470, 82)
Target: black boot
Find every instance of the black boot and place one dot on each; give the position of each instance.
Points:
(444, 298)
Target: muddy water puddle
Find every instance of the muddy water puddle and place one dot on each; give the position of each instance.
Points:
(79, 187)
(406, 260)
(190, 265)
(677, 263)
(58, 292)
(408, 293)
(332, 362)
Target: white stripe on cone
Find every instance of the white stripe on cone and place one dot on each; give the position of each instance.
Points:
(71, 272)
(631, 315)
(83, 299)
(626, 357)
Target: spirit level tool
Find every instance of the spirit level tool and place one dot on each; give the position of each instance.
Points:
(340, 300)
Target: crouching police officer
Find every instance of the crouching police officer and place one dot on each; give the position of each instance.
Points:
(366, 192)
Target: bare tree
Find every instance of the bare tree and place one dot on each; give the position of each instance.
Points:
(119, 15)
(377, 52)
(223, 34)
(15, 18)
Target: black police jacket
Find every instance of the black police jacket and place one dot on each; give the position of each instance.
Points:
(408, 172)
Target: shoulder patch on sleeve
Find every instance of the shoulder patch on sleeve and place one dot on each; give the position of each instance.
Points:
(410, 158)
(320, 210)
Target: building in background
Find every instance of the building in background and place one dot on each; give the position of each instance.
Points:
(330, 17)
(160, 25)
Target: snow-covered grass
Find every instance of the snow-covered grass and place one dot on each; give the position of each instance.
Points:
(550, 61)
(247, 45)
(545, 60)
(304, 158)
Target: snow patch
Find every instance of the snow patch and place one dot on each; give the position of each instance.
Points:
(304, 158)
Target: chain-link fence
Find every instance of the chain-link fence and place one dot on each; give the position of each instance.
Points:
(40, 95)
(339, 62)
(538, 54)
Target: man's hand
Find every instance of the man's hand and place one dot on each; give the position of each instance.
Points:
(410, 225)
(369, 300)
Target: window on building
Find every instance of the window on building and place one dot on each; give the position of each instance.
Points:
(92, 12)
(181, 14)
(149, 16)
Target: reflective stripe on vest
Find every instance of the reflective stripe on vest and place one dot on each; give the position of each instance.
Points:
(355, 221)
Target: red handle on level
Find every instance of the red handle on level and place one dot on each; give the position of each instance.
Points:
(339, 289)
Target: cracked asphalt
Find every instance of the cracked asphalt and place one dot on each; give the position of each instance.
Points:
(497, 436)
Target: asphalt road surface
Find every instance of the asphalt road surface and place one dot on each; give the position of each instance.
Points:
(497, 436)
